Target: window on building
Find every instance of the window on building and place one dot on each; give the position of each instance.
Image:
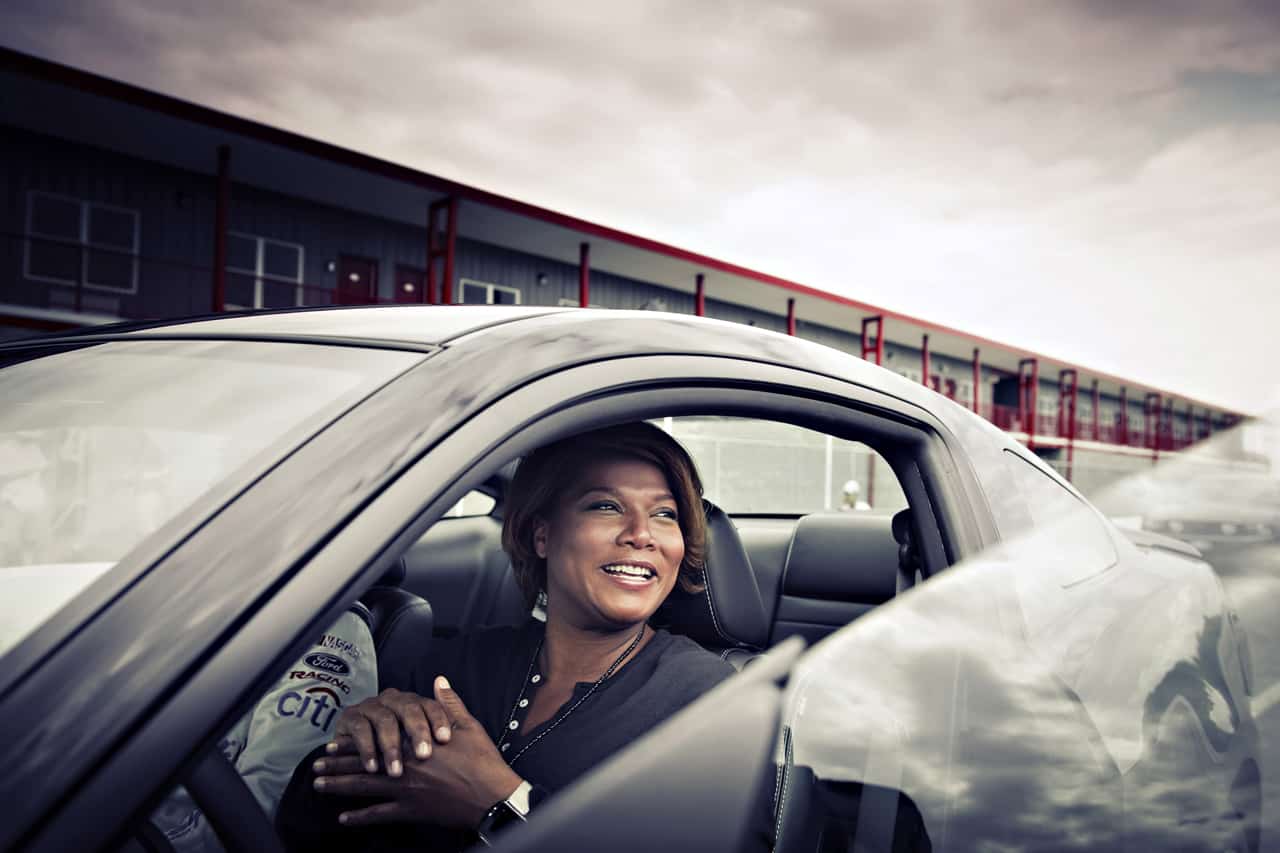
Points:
(81, 243)
(263, 273)
(472, 292)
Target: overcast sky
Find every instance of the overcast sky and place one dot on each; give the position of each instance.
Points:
(1096, 180)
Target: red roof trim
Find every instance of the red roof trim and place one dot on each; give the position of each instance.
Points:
(12, 60)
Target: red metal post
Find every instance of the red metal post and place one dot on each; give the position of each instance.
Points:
(1122, 434)
(584, 275)
(791, 315)
(977, 381)
(1028, 385)
(1068, 399)
(924, 361)
(451, 239)
(1097, 436)
(438, 251)
(1151, 407)
(700, 296)
(875, 348)
(220, 217)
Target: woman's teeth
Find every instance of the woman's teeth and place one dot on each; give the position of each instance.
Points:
(629, 571)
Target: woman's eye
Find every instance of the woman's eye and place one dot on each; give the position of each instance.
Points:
(666, 513)
(610, 505)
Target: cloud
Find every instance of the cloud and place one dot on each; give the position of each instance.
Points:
(998, 166)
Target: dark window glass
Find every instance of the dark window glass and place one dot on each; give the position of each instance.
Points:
(242, 253)
(114, 228)
(54, 260)
(281, 261)
(279, 294)
(240, 290)
(110, 269)
(505, 297)
(55, 217)
(475, 294)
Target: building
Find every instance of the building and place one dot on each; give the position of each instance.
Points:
(120, 203)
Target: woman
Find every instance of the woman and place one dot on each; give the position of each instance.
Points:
(604, 525)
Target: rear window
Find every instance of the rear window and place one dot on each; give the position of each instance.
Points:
(758, 467)
(102, 445)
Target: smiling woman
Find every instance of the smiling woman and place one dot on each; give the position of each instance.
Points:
(600, 528)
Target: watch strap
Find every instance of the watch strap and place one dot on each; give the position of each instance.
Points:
(505, 812)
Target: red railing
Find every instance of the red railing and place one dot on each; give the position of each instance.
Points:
(187, 289)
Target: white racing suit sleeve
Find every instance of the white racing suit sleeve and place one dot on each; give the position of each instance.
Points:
(294, 717)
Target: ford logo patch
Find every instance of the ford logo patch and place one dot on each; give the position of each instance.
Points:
(328, 663)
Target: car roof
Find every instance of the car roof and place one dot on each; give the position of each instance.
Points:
(427, 327)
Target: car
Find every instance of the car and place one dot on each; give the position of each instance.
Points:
(991, 663)
(1228, 518)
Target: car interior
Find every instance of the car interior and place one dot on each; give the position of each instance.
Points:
(780, 564)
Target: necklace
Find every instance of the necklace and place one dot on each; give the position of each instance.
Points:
(512, 725)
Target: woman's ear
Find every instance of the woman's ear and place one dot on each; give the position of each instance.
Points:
(540, 537)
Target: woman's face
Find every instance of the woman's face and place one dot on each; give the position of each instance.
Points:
(613, 545)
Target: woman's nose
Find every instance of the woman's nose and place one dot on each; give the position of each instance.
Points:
(637, 532)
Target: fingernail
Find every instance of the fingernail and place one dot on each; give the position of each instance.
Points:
(342, 818)
(443, 733)
(371, 766)
(443, 683)
(318, 766)
(424, 749)
(319, 784)
(331, 746)
(395, 768)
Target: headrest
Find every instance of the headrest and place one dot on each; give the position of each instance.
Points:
(846, 556)
(729, 611)
(394, 576)
(904, 532)
(401, 624)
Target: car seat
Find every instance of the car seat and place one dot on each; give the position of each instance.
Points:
(400, 623)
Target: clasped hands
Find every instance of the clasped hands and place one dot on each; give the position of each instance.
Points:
(450, 775)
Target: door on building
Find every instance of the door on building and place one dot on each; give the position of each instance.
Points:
(411, 284)
(357, 281)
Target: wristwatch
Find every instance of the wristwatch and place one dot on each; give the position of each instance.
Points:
(515, 808)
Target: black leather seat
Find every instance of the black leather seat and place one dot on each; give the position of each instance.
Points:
(401, 626)
(728, 616)
(840, 566)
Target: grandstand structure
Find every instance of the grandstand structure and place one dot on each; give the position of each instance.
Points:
(122, 203)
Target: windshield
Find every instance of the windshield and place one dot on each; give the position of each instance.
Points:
(101, 446)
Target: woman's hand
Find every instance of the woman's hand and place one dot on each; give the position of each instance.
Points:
(375, 726)
(455, 786)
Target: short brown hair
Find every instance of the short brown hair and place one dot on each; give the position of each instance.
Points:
(540, 480)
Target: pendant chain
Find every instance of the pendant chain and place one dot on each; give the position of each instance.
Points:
(561, 718)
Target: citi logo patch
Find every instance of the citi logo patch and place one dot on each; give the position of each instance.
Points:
(328, 663)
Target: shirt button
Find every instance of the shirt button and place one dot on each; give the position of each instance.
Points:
(524, 703)
(536, 679)
(513, 725)
(505, 747)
